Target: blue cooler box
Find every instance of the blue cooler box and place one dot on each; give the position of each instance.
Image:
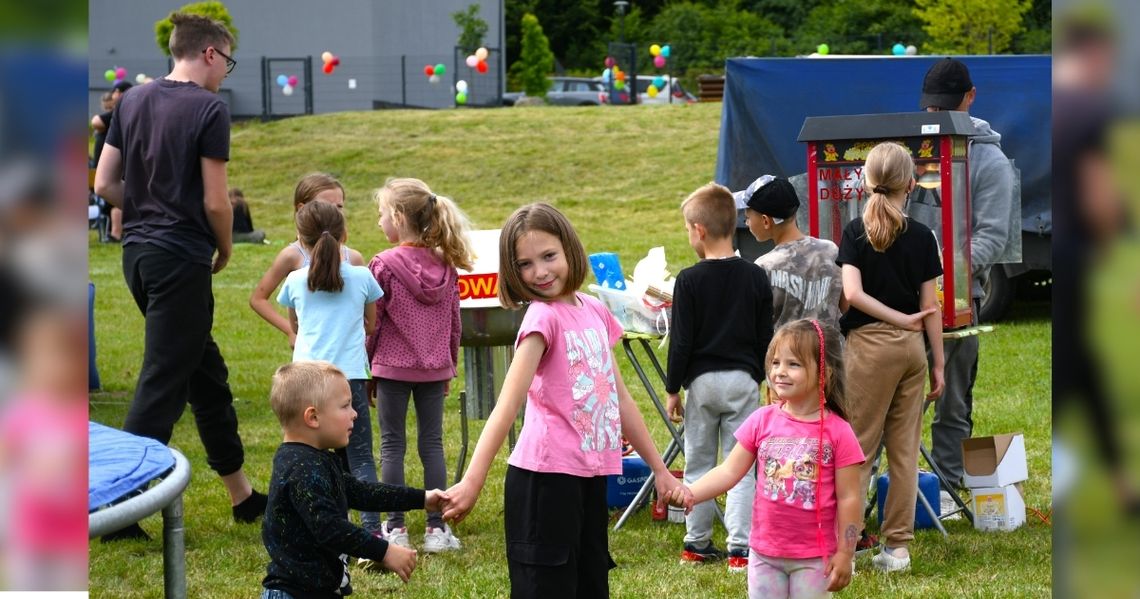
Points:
(927, 485)
(622, 488)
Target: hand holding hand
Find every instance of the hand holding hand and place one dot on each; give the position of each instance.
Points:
(436, 500)
(461, 499)
(400, 560)
(674, 407)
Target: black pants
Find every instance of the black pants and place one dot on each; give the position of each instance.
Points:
(556, 529)
(181, 362)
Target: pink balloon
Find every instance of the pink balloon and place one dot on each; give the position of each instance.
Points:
(472, 61)
(120, 73)
(659, 61)
(293, 81)
(609, 61)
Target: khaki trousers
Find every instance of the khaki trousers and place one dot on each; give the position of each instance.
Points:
(886, 374)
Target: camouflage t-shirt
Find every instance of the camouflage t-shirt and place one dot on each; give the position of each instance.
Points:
(805, 280)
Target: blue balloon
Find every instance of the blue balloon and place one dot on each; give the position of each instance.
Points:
(665, 50)
(898, 49)
(659, 82)
(606, 75)
(282, 80)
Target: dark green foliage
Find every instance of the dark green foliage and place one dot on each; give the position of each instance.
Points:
(472, 28)
(211, 8)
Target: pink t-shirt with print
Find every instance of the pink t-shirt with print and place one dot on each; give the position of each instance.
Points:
(784, 508)
(572, 425)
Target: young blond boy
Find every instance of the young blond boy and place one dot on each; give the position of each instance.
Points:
(306, 529)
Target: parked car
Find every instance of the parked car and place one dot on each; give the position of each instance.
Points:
(568, 91)
(671, 92)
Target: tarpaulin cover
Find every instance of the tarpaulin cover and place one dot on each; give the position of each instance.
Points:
(119, 462)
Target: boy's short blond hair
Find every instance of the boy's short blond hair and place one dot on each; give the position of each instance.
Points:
(300, 385)
(712, 207)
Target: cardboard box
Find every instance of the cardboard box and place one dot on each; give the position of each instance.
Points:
(927, 485)
(994, 461)
(998, 508)
(622, 488)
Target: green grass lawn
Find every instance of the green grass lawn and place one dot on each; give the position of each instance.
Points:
(620, 175)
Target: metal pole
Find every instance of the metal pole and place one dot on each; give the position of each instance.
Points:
(174, 550)
(264, 88)
(404, 79)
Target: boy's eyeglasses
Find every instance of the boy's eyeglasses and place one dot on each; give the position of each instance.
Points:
(230, 63)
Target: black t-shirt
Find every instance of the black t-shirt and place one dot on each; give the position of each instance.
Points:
(163, 130)
(101, 136)
(243, 221)
(895, 276)
(722, 320)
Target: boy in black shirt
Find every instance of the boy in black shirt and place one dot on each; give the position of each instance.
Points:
(306, 529)
(721, 326)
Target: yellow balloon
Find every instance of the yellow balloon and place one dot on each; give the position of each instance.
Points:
(652, 91)
(326, 56)
(481, 54)
(655, 49)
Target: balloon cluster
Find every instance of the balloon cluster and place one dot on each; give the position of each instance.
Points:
(659, 54)
(332, 61)
(433, 73)
(478, 60)
(461, 92)
(614, 73)
(115, 75)
(142, 78)
(287, 83)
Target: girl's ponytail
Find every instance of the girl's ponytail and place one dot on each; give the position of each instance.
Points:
(447, 228)
(888, 170)
(320, 227)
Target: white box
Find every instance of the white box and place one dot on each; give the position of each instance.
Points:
(998, 508)
(994, 461)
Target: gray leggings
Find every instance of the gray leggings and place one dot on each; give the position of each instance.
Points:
(392, 410)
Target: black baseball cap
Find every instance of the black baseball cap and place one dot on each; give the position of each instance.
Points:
(776, 198)
(945, 84)
(122, 86)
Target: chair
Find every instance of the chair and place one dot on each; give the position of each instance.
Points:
(98, 211)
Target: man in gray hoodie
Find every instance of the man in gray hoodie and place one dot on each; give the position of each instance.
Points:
(947, 86)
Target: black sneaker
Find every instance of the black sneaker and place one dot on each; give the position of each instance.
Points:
(691, 554)
(131, 532)
(251, 509)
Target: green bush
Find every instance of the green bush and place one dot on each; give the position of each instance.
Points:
(536, 61)
(211, 8)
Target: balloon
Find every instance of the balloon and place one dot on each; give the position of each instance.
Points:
(429, 70)
(659, 61)
(282, 80)
(655, 50)
(619, 84)
(120, 73)
(481, 54)
(822, 49)
(472, 61)
(440, 69)
(434, 79)
(293, 81)
(659, 81)
(898, 49)
(287, 90)
(461, 98)
(328, 68)
(666, 50)
(461, 86)
(140, 78)
(335, 61)
(481, 66)
(652, 91)
(606, 76)
(326, 56)
(911, 50)
(610, 61)
(109, 74)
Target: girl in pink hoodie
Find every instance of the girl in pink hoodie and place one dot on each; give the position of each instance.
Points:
(415, 348)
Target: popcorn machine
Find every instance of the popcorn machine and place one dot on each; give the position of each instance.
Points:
(837, 146)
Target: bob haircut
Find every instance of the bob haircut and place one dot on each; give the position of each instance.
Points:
(513, 293)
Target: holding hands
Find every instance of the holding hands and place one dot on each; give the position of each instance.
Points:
(436, 500)
(675, 494)
(461, 499)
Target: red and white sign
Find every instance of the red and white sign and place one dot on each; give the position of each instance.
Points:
(479, 287)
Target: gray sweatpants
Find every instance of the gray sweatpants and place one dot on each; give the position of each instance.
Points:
(717, 403)
(392, 407)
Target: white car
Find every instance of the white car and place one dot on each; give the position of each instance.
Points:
(567, 91)
(671, 92)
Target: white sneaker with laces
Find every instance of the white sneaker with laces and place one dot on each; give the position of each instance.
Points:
(396, 536)
(884, 561)
(440, 539)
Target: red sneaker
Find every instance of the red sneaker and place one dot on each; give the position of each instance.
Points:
(691, 554)
(737, 560)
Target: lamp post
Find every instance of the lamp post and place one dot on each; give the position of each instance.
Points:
(620, 6)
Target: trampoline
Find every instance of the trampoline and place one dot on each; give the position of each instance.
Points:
(121, 470)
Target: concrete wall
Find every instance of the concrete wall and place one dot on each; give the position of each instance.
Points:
(372, 38)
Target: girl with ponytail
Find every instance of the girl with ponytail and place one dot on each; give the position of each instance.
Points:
(890, 265)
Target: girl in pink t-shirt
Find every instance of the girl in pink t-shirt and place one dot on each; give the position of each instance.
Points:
(808, 460)
(577, 409)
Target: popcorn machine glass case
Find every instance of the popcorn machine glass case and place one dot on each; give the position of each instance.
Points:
(836, 149)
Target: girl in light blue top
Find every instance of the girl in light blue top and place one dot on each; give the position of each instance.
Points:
(332, 306)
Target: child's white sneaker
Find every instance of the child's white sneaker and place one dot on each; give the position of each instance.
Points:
(885, 561)
(440, 539)
(396, 536)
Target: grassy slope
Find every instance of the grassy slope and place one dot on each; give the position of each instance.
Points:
(620, 175)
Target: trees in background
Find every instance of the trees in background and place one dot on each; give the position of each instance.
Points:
(536, 61)
(213, 9)
(971, 26)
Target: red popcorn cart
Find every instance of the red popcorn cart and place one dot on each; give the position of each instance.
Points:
(836, 149)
